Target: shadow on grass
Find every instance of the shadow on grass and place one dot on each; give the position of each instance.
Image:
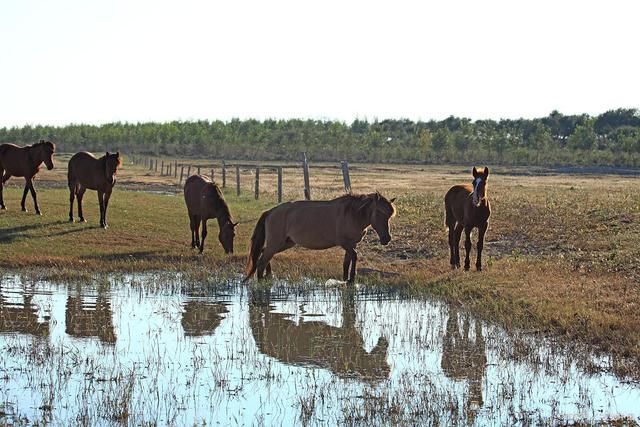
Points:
(10, 235)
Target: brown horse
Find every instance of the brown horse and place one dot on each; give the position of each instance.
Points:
(319, 225)
(88, 172)
(466, 207)
(204, 201)
(25, 161)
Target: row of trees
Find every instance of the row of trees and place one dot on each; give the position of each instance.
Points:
(612, 138)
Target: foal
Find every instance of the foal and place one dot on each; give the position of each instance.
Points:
(466, 207)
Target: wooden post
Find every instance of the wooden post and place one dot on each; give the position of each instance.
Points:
(257, 192)
(237, 180)
(305, 171)
(345, 176)
(188, 171)
(279, 184)
(198, 170)
(224, 175)
(156, 166)
(175, 169)
(181, 174)
(150, 164)
(211, 174)
(162, 169)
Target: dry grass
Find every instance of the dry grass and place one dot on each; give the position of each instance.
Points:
(561, 252)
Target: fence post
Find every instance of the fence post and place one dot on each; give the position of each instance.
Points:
(156, 166)
(162, 169)
(305, 171)
(181, 174)
(188, 171)
(211, 174)
(257, 191)
(224, 175)
(345, 176)
(279, 184)
(237, 180)
(175, 169)
(198, 170)
(150, 164)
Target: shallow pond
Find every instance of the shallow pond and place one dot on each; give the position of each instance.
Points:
(162, 350)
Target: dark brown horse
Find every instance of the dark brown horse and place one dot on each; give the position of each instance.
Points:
(25, 161)
(319, 225)
(204, 201)
(466, 207)
(88, 172)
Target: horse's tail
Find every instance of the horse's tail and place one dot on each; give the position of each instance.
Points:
(257, 245)
(449, 218)
(3, 149)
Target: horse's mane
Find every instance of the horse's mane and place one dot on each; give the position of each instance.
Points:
(43, 142)
(214, 190)
(354, 201)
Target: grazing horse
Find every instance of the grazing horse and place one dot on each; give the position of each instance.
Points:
(319, 225)
(25, 161)
(466, 207)
(204, 201)
(88, 172)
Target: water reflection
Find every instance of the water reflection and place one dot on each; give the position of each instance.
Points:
(464, 356)
(202, 317)
(338, 349)
(19, 314)
(90, 316)
(288, 355)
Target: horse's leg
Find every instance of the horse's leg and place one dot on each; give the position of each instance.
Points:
(192, 225)
(24, 195)
(452, 240)
(467, 246)
(264, 262)
(101, 203)
(196, 219)
(267, 272)
(80, 194)
(72, 196)
(354, 260)
(33, 195)
(204, 234)
(456, 244)
(481, 230)
(107, 196)
(345, 264)
(2, 181)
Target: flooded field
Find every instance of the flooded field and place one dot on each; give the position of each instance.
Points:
(155, 349)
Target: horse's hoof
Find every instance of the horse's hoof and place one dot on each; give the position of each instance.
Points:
(82, 220)
(466, 268)
(71, 219)
(478, 268)
(24, 210)
(38, 213)
(3, 208)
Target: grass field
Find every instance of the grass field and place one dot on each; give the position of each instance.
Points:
(561, 254)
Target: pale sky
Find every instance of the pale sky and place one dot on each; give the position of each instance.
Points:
(83, 61)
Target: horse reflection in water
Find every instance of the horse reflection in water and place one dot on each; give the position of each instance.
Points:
(85, 319)
(338, 349)
(464, 358)
(202, 317)
(21, 318)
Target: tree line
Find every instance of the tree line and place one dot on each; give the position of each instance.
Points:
(609, 139)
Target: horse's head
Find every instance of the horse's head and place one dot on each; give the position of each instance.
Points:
(226, 236)
(381, 212)
(112, 163)
(479, 193)
(45, 152)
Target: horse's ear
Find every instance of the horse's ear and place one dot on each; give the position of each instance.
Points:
(486, 172)
(42, 141)
(236, 224)
(117, 154)
(475, 172)
(107, 154)
(392, 200)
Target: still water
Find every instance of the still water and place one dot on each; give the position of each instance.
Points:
(158, 349)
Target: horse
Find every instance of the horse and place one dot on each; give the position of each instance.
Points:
(25, 161)
(319, 225)
(466, 207)
(204, 200)
(88, 172)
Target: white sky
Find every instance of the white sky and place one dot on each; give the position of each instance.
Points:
(83, 61)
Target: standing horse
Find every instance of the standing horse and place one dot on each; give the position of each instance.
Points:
(88, 172)
(25, 161)
(466, 207)
(204, 201)
(319, 225)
